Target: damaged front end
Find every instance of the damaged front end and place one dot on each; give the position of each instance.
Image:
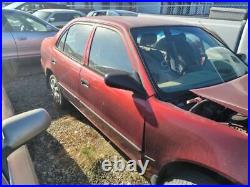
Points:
(226, 103)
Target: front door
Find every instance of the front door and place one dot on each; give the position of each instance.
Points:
(119, 110)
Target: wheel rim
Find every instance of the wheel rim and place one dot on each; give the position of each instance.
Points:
(55, 90)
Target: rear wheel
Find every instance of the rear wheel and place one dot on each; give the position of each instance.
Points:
(57, 95)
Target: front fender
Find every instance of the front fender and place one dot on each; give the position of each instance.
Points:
(173, 134)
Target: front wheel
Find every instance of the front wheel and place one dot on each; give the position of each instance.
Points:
(191, 177)
(57, 95)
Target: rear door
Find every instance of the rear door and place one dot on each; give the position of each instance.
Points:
(68, 55)
(121, 119)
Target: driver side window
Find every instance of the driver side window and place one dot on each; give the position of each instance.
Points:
(24, 23)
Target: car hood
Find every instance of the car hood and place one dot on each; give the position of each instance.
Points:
(233, 94)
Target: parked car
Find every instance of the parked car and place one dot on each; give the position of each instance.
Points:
(5, 4)
(230, 24)
(58, 17)
(22, 35)
(31, 7)
(112, 13)
(17, 130)
(182, 106)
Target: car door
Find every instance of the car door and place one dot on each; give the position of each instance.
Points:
(68, 55)
(9, 49)
(117, 110)
(28, 33)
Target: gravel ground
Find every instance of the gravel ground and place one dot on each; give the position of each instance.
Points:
(71, 150)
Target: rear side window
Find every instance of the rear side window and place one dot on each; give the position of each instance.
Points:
(64, 17)
(24, 23)
(108, 52)
(73, 42)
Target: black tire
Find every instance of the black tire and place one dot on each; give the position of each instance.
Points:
(186, 177)
(56, 93)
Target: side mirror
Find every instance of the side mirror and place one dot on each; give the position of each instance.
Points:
(126, 82)
(242, 56)
(19, 129)
(51, 20)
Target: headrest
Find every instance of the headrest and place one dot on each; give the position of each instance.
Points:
(148, 39)
(179, 37)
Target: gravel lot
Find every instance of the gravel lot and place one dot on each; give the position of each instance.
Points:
(71, 150)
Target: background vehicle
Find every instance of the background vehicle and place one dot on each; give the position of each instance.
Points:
(58, 17)
(31, 7)
(16, 132)
(173, 106)
(230, 24)
(22, 35)
(112, 13)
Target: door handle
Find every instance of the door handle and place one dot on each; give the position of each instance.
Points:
(53, 61)
(84, 83)
(22, 38)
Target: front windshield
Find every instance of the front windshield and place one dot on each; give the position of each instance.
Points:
(181, 58)
(42, 14)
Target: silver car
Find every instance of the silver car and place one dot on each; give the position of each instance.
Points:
(22, 35)
(17, 130)
(58, 17)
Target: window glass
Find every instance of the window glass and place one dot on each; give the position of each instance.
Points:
(108, 52)
(76, 40)
(60, 44)
(21, 22)
(42, 14)
(64, 17)
(5, 25)
(181, 58)
(59, 17)
(101, 13)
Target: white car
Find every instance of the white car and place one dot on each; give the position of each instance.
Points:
(58, 17)
(111, 13)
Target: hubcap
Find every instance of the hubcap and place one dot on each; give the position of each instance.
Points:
(55, 90)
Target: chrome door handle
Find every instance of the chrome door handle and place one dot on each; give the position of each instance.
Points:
(22, 38)
(53, 61)
(84, 83)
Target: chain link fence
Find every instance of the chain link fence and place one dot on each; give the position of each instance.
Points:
(165, 8)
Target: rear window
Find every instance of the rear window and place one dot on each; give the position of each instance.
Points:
(64, 17)
(42, 15)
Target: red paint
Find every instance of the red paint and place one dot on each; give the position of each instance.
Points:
(233, 94)
(150, 127)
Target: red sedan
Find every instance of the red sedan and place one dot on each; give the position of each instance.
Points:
(162, 91)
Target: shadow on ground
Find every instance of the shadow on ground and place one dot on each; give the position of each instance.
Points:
(62, 168)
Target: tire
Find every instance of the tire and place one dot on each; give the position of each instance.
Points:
(189, 178)
(56, 93)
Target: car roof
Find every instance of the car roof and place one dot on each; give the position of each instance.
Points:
(59, 10)
(115, 10)
(131, 22)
